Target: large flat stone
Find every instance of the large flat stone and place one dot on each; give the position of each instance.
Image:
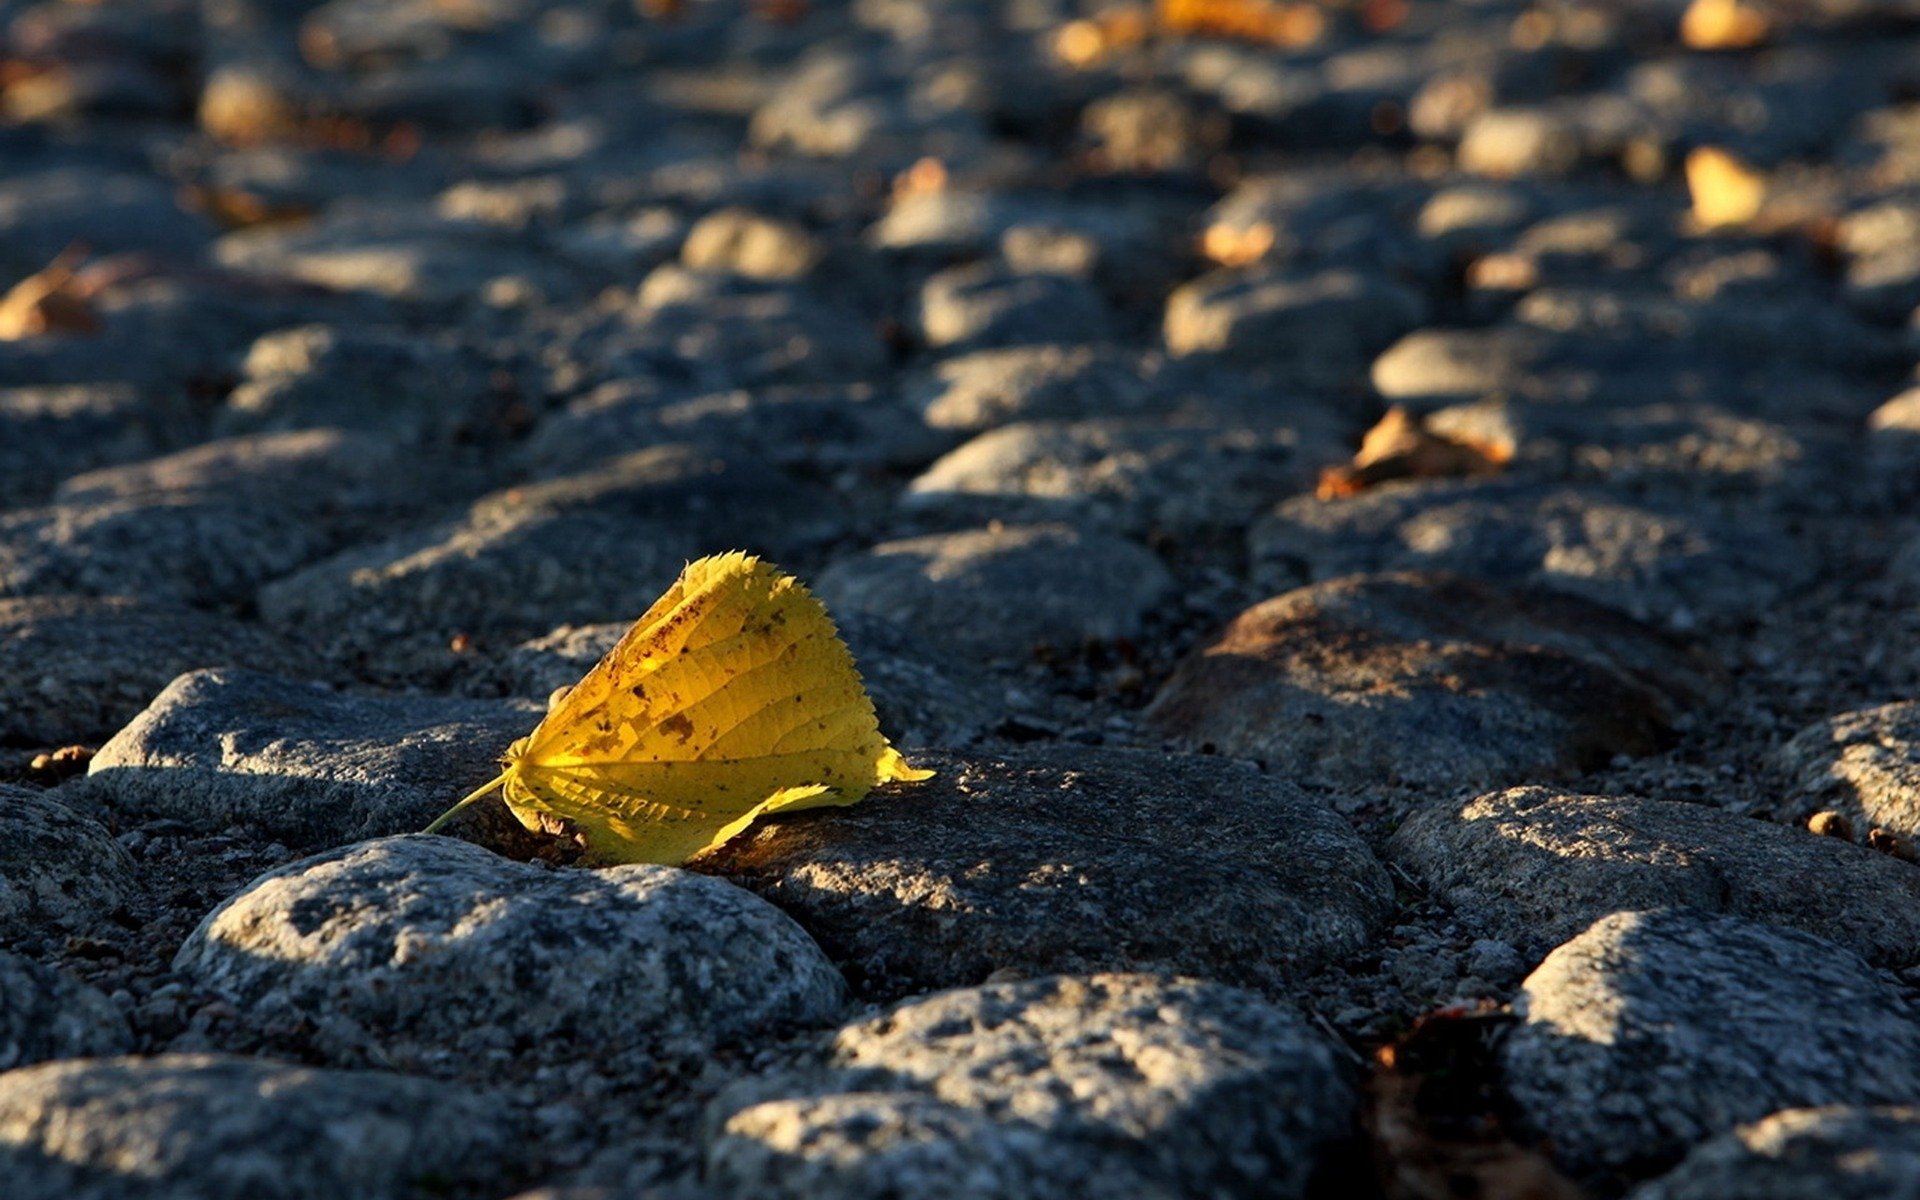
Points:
(1533, 866)
(437, 955)
(1654, 1031)
(1060, 860)
(1156, 1088)
(198, 1127)
(1380, 681)
(78, 668)
(303, 764)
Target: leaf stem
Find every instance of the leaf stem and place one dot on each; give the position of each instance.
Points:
(476, 794)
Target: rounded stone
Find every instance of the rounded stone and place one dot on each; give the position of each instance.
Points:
(451, 959)
(303, 764)
(58, 869)
(47, 1014)
(78, 668)
(203, 1127)
(1162, 1087)
(1378, 681)
(1533, 865)
(1838, 1153)
(1653, 1031)
(1002, 592)
(1048, 860)
(1322, 329)
(1864, 765)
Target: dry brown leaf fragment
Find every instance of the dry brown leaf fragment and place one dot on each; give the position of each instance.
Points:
(51, 300)
(1400, 446)
(1244, 20)
(1433, 1116)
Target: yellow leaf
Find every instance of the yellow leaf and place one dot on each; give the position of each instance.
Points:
(1725, 190)
(732, 697)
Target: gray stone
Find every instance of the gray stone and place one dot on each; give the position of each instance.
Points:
(917, 889)
(79, 668)
(844, 104)
(302, 764)
(1378, 681)
(394, 382)
(718, 331)
(1143, 476)
(999, 593)
(750, 244)
(1653, 1031)
(1159, 1088)
(201, 526)
(959, 223)
(1459, 364)
(1470, 215)
(987, 304)
(1893, 432)
(861, 1145)
(1537, 866)
(1675, 448)
(49, 433)
(59, 870)
(47, 1014)
(1031, 383)
(1509, 142)
(394, 251)
(43, 212)
(1656, 560)
(597, 545)
(1793, 328)
(923, 697)
(805, 426)
(452, 960)
(1319, 329)
(1837, 1153)
(204, 1127)
(1151, 129)
(1863, 764)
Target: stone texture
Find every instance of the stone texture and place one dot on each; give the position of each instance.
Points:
(1429, 680)
(599, 544)
(47, 1014)
(1535, 866)
(59, 870)
(302, 764)
(984, 304)
(750, 244)
(1023, 1089)
(79, 668)
(389, 381)
(202, 526)
(1651, 560)
(450, 959)
(1836, 1153)
(916, 888)
(1141, 476)
(1000, 593)
(200, 1127)
(801, 426)
(1653, 1031)
(1864, 765)
(1030, 383)
(50, 433)
(1322, 329)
